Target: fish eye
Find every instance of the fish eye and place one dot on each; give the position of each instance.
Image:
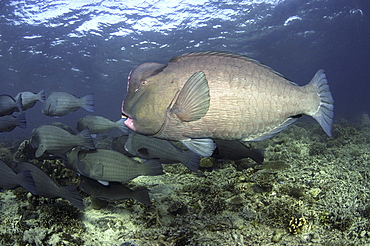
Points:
(144, 82)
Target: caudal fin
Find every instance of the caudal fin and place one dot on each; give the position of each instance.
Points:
(22, 121)
(141, 195)
(324, 115)
(41, 96)
(154, 168)
(27, 182)
(88, 103)
(88, 141)
(121, 125)
(71, 194)
(192, 161)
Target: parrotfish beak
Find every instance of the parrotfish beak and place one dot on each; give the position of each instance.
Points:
(130, 124)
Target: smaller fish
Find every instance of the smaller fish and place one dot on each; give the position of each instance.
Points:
(8, 105)
(29, 99)
(163, 150)
(11, 180)
(58, 141)
(235, 150)
(62, 103)
(98, 124)
(114, 191)
(109, 165)
(47, 187)
(9, 122)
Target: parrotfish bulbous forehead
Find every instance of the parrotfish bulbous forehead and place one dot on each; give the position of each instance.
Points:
(145, 103)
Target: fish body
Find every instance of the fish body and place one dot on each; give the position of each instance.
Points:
(199, 96)
(29, 99)
(47, 187)
(56, 140)
(62, 103)
(8, 105)
(109, 165)
(98, 124)
(9, 122)
(114, 191)
(163, 150)
(11, 180)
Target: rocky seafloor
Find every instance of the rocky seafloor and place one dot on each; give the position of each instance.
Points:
(311, 190)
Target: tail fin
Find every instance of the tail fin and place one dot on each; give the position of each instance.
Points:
(27, 182)
(141, 195)
(41, 96)
(18, 103)
(121, 125)
(258, 155)
(324, 115)
(88, 141)
(88, 103)
(192, 161)
(154, 168)
(22, 121)
(72, 195)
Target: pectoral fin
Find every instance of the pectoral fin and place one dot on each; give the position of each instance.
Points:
(97, 171)
(40, 150)
(201, 146)
(194, 100)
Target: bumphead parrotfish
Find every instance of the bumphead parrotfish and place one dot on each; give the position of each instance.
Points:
(199, 96)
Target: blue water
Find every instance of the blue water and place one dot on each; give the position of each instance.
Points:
(90, 46)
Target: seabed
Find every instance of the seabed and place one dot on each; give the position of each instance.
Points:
(311, 190)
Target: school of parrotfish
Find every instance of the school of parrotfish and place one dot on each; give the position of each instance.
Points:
(198, 104)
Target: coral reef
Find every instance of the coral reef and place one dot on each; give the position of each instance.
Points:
(311, 189)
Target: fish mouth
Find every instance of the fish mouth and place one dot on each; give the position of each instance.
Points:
(124, 116)
(130, 124)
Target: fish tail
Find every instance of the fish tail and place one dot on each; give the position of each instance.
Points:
(88, 141)
(18, 103)
(154, 168)
(192, 161)
(22, 121)
(88, 103)
(27, 182)
(121, 125)
(258, 155)
(72, 195)
(324, 115)
(41, 96)
(142, 195)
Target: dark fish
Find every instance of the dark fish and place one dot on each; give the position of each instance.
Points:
(11, 180)
(114, 191)
(109, 165)
(47, 187)
(235, 150)
(9, 122)
(199, 96)
(58, 141)
(163, 150)
(98, 124)
(29, 99)
(8, 105)
(62, 103)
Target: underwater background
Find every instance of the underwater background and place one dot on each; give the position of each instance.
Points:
(313, 189)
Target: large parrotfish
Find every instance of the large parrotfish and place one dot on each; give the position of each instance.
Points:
(198, 97)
